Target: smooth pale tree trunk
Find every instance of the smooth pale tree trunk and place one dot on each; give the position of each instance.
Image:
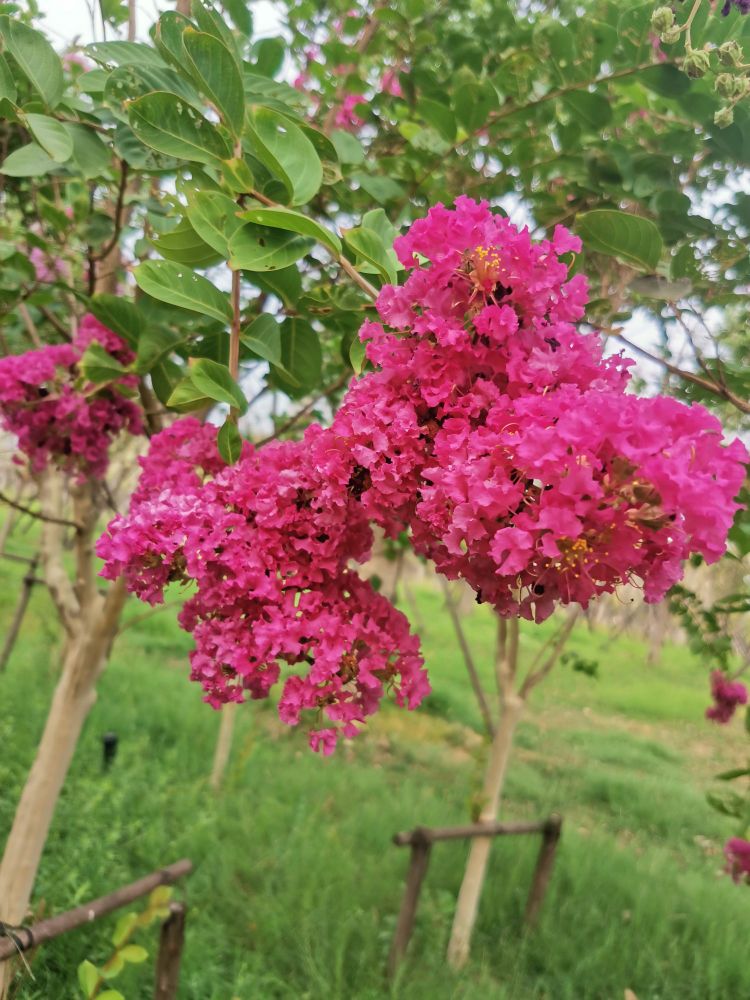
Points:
(223, 744)
(85, 655)
(476, 866)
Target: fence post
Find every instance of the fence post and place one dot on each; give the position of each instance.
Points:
(420, 859)
(171, 941)
(543, 870)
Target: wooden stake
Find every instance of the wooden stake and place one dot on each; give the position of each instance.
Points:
(543, 870)
(171, 942)
(420, 859)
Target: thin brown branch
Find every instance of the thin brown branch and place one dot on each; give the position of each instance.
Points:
(535, 676)
(300, 414)
(119, 216)
(713, 387)
(468, 658)
(39, 515)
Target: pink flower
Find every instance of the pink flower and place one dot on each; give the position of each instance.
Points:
(41, 403)
(48, 268)
(737, 853)
(727, 696)
(346, 117)
(491, 430)
(389, 83)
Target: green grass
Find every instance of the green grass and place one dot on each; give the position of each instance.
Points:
(296, 884)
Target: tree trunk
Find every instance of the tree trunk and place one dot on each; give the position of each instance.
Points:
(84, 659)
(476, 866)
(223, 745)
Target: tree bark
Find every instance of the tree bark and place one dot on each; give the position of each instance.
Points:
(476, 866)
(85, 655)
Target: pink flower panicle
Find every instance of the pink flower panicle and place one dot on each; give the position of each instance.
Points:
(57, 419)
(492, 430)
(727, 695)
(737, 853)
(346, 116)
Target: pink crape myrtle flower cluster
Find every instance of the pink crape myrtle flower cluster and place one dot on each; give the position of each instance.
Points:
(55, 416)
(737, 854)
(727, 697)
(491, 429)
(267, 544)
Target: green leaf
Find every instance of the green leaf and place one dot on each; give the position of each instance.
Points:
(28, 161)
(90, 154)
(51, 135)
(214, 381)
(119, 315)
(167, 35)
(285, 284)
(237, 175)
(439, 116)
(110, 995)
(186, 397)
(667, 81)
(134, 953)
(213, 23)
(382, 189)
(160, 896)
(301, 357)
(124, 928)
(735, 772)
(111, 54)
(269, 56)
(217, 75)
(240, 14)
(631, 238)
(263, 337)
(229, 441)
(213, 215)
(357, 355)
(474, 103)
(286, 152)
(164, 377)
(153, 346)
(370, 247)
(348, 148)
(179, 286)
(183, 245)
(113, 966)
(293, 222)
(172, 126)
(98, 366)
(260, 248)
(88, 977)
(593, 110)
(8, 89)
(36, 59)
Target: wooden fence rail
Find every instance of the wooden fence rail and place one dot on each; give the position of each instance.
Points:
(19, 939)
(421, 840)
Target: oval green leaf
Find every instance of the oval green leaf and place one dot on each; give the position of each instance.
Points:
(260, 248)
(213, 215)
(170, 125)
(285, 150)
(217, 75)
(179, 286)
(36, 59)
(293, 222)
(229, 441)
(631, 238)
(215, 381)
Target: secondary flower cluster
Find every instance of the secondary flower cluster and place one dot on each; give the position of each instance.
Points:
(55, 415)
(491, 429)
(737, 853)
(727, 695)
(267, 544)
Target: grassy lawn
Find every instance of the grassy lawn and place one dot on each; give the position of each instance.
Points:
(297, 885)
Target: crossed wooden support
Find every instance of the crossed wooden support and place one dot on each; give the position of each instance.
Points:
(421, 840)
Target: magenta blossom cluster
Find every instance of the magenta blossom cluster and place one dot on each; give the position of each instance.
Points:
(58, 417)
(492, 430)
(737, 853)
(727, 696)
(267, 544)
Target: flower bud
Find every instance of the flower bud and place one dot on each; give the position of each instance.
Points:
(725, 85)
(730, 53)
(724, 117)
(670, 36)
(662, 19)
(696, 63)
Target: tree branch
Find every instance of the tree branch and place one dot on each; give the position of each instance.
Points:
(39, 515)
(535, 676)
